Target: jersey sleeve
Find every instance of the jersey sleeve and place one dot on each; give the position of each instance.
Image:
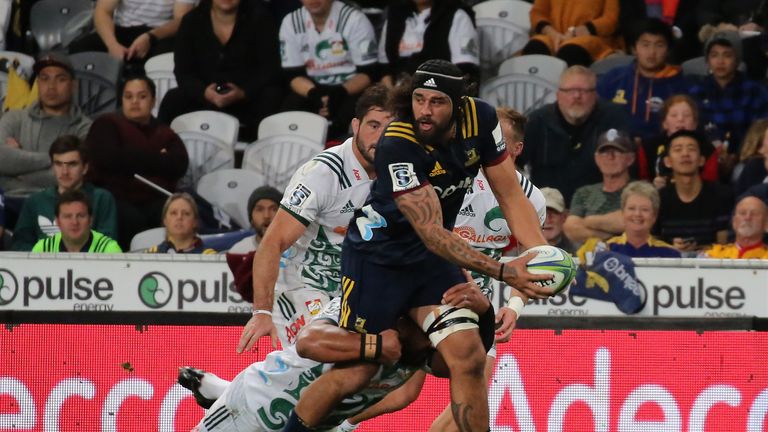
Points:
(463, 39)
(361, 39)
(400, 165)
(480, 119)
(291, 30)
(535, 196)
(307, 192)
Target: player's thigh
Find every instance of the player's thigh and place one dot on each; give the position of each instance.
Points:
(435, 276)
(294, 309)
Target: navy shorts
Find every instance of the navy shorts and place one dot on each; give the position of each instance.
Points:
(374, 296)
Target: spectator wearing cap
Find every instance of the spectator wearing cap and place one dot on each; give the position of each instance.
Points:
(639, 208)
(26, 135)
(562, 136)
(596, 209)
(748, 223)
(641, 87)
(553, 224)
(729, 101)
(262, 207)
(694, 213)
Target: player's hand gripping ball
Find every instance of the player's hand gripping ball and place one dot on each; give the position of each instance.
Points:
(555, 261)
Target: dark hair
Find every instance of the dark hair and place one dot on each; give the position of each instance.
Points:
(374, 96)
(694, 135)
(66, 144)
(653, 26)
(139, 77)
(71, 197)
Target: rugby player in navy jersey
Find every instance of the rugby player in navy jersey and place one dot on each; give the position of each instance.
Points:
(400, 255)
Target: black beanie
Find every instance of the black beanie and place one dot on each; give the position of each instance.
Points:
(263, 192)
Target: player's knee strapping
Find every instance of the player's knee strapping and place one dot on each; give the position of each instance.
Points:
(446, 320)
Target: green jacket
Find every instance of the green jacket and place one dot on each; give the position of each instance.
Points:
(37, 219)
(99, 244)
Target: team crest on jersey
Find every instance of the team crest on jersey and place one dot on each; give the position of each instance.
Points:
(403, 176)
(327, 48)
(360, 325)
(314, 306)
(472, 157)
(299, 195)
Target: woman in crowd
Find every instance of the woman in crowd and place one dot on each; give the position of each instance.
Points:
(129, 143)
(751, 168)
(180, 218)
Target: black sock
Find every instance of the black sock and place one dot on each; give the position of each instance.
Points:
(296, 424)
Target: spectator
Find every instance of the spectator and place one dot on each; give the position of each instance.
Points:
(556, 215)
(38, 214)
(26, 135)
(419, 30)
(752, 170)
(693, 213)
(562, 136)
(329, 57)
(577, 32)
(639, 208)
(749, 223)
(133, 30)
(180, 218)
(133, 142)
(642, 86)
(677, 13)
(262, 207)
(215, 64)
(73, 217)
(729, 101)
(596, 209)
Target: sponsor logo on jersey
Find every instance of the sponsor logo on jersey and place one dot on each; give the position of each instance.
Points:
(450, 190)
(430, 83)
(326, 48)
(314, 306)
(480, 184)
(340, 230)
(437, 170)
(292, 329)
(299, 195)
(472, 157)
(348, 207)
(403, 176)
(498, 138)
(467, 211)
(469, 234)
(356, 172)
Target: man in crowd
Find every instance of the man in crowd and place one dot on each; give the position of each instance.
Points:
(69, 164)
(73, 216)
(262, 207)
(563, 135)
(595, 209)
(556, 216)
(749, 223)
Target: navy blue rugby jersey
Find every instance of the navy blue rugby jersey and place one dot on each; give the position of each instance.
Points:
(379, 229)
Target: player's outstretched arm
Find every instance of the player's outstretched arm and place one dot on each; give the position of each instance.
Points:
(422, 209)
(325, 342)
(281, 234)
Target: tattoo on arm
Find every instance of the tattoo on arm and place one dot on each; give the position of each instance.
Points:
(422, 209)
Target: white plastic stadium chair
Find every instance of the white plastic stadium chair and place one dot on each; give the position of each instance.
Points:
(278, 157)
(613, 61)
(97, 75)
(502, 27)
(533, 85)
(56, 23)
(306, 124)
(25, 63)
(160, 70)
(229, 190)
(209, 139)
(147, 239)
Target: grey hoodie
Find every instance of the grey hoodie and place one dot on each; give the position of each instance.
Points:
(26, 170)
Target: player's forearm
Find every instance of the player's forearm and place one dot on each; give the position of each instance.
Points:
(327, 343)
(525, 223)
(266, 265)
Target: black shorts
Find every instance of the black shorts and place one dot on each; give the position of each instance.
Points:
(374, 296)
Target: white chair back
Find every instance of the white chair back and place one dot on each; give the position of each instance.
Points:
(306, 124)
(544, 67)
(147, 239)
(97, 76)
(229, 190)
(502, 27)
(219, 125)
(160, 70)
(278, 157)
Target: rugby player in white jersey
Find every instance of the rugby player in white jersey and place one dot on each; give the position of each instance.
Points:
(312, 221)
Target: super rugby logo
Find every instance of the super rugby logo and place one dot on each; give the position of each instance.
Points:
(403, 176)
(155, 290)
(299, 195)
(9, 287)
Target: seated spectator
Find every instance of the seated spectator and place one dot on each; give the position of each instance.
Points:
(563, 135)
(556, 215)
(751, 167)
(132, 142)
(596, 209)
(133, 30)
(749, 224)
(677, 13)
(180, 218)
(639, 208)
(419, 30)
(694, 213)
(679, 112)
(328, 57)
(262, 207)
(38, 214)
(26, 135)
(73, 217)
(642, 86)
(216, 68)
(577, 32)
(729, 101)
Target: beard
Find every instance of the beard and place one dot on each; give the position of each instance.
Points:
(436, 135)
(361, 147)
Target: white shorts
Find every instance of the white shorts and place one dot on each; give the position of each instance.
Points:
(294, 309)
(230, 412)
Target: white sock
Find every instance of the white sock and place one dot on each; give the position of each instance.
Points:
(347, 427)
(211, 386)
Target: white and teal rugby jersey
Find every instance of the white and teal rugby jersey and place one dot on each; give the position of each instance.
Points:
(332, 55)
(481, 223)
(323, 195)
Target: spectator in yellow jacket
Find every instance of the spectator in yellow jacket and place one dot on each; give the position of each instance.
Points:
(749, 222)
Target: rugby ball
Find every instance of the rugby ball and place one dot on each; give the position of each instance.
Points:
(555, 261)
